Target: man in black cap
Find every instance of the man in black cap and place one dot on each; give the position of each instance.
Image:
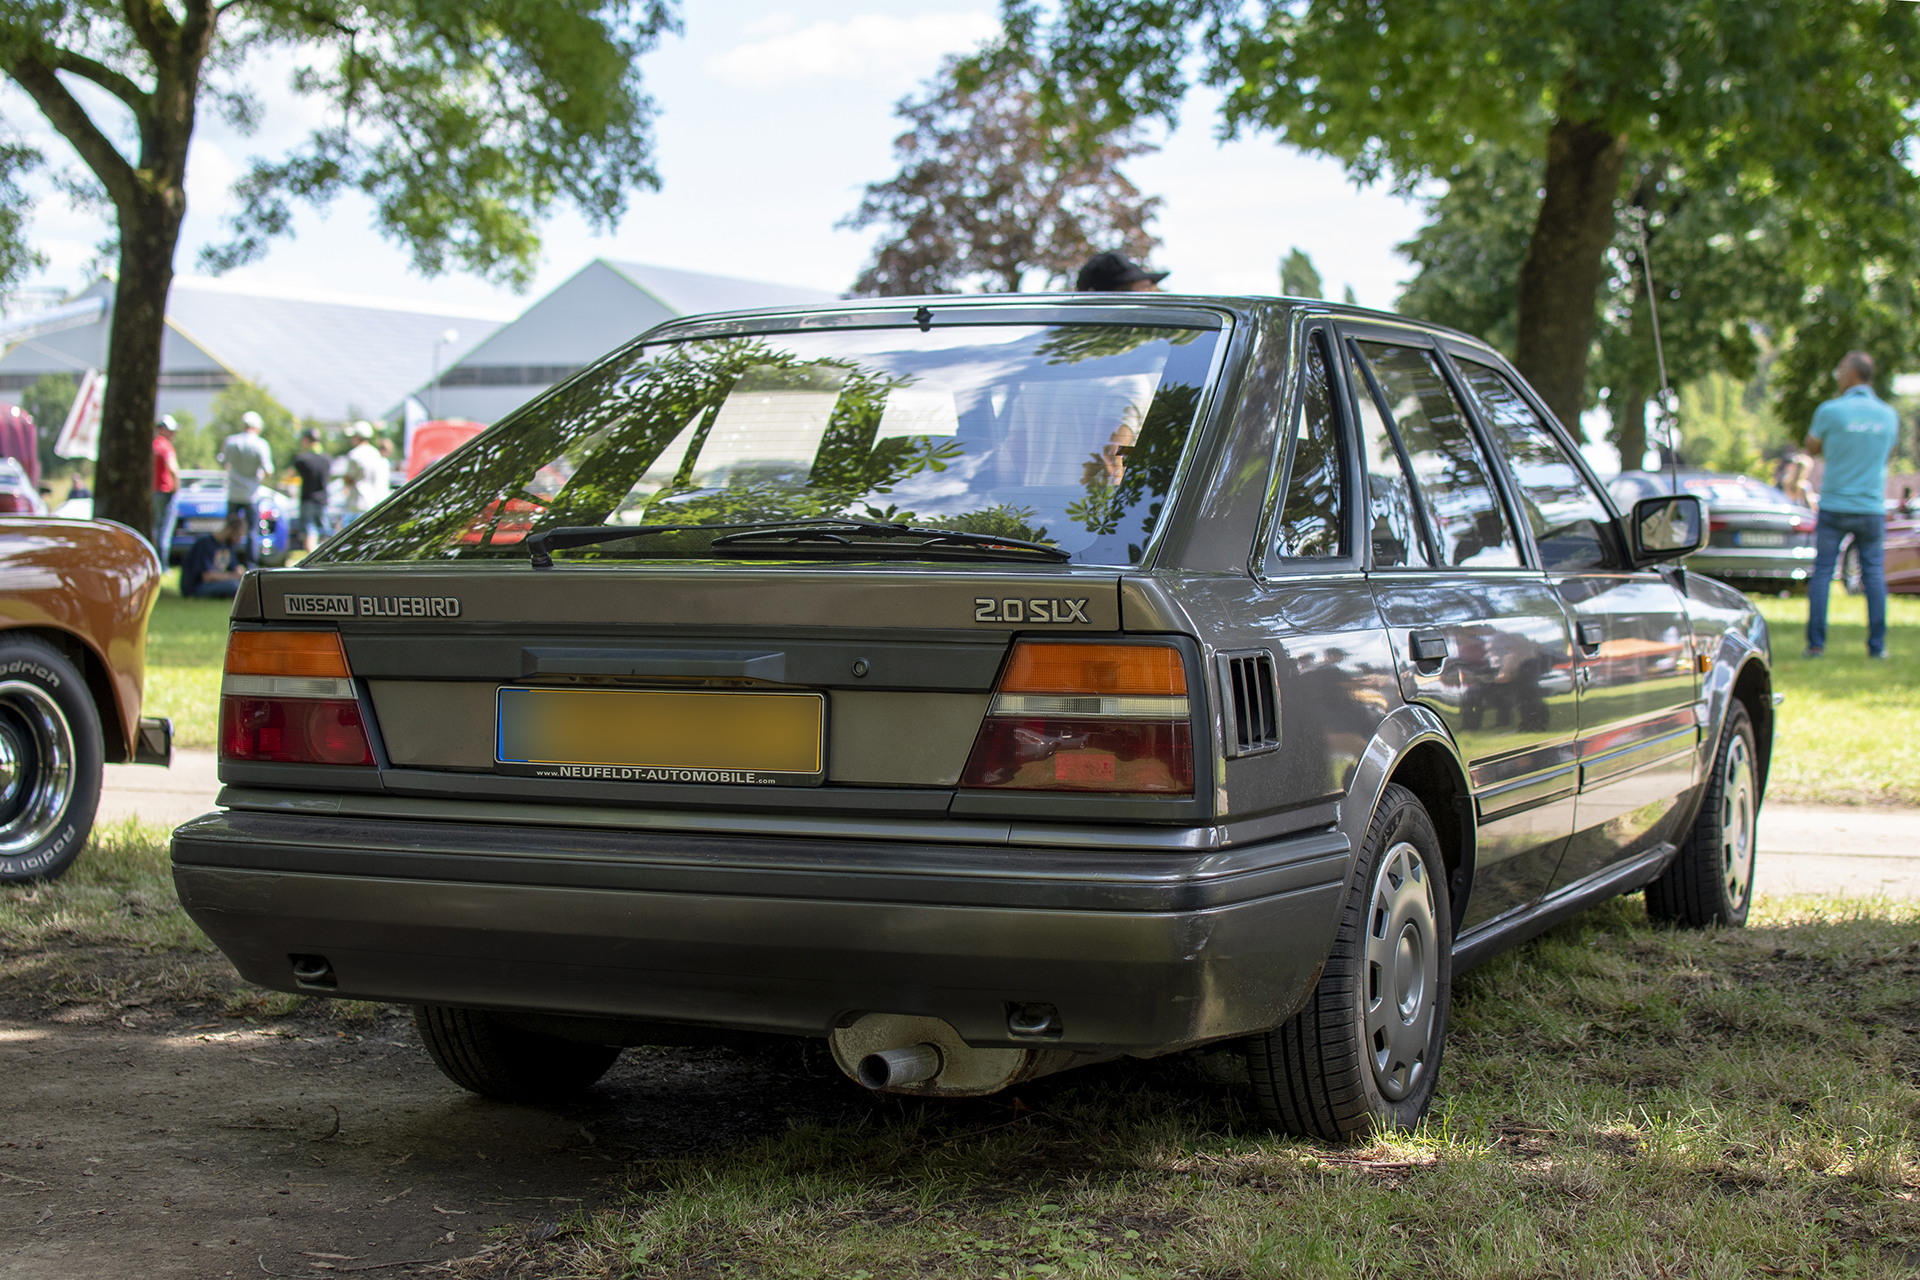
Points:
(1116, 273)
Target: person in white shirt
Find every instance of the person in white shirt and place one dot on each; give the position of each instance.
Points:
(368, 475)
(249, 461)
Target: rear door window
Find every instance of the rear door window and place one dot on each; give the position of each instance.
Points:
(1467, 527)
(1395, 528)
(1569, 520)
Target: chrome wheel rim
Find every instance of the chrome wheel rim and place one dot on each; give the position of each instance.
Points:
(1737, 823)
(1401, 975)
(36, 761)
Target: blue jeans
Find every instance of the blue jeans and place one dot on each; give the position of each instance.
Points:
(251, 511)
(164, 511)
(1869, 533)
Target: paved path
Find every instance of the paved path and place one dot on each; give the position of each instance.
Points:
(1803, 848)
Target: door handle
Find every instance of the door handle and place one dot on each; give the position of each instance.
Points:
(1591, 634)
(1428, 646)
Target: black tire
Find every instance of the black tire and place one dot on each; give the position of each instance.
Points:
(1333, 1072)
(50, 758)
(1711, 881)
(484, 1055)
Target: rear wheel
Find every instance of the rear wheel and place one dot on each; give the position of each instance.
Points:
(1365, 1052)
(50, 757)
(1711, 881)
(1852, 576)
(482, 1054)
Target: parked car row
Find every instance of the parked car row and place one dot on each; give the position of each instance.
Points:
(1760, 539)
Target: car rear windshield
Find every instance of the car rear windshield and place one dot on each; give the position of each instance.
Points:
(1068, 435)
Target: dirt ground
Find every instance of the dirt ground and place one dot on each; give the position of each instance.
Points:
(170, 1142)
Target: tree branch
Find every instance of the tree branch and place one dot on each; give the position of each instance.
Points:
(120, 86)
(77, 127)
(152, 35)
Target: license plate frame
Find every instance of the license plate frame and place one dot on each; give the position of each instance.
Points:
(662, 736)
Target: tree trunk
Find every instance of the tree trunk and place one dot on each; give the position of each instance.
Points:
(123, 480)
(1628, 408)
(1560, 279)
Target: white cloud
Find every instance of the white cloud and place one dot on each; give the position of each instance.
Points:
(870, 46)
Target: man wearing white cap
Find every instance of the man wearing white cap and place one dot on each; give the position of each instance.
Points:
(248, 460)
(367, 474)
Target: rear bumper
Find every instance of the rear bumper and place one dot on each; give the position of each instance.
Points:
(1139, 952)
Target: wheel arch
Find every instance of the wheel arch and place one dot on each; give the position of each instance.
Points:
(1413, 749)
(1753, 689)
(114, 747)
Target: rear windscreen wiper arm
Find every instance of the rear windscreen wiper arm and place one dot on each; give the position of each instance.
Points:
(799, 535)
(831, 538)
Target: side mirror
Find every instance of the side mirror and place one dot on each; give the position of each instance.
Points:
(1667, 528)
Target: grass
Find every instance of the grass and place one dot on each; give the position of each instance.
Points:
(186, 644)
(1617, 1100)
(1849, 732)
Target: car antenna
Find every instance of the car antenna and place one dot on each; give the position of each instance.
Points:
(1659, 351)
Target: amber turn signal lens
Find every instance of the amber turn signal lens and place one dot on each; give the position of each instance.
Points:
(1039, 667)
(286, 653)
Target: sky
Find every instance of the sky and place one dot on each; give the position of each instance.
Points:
(774, 114)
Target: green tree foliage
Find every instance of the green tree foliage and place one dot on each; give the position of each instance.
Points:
(18, 259)
(1298, 278)
(1728, 425)
(988, 195)
(463, 124)
(1806, 104)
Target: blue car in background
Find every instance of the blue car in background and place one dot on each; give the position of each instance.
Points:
(202, 508)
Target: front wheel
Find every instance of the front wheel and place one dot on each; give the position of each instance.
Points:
(480, 1053)
(1711, 881)
(50, 758)
(1364, 1054)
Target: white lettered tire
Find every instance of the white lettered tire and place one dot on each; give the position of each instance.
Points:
(50, 760)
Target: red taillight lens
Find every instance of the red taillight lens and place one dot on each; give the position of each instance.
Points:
(1804, 524)
(1087, 717)
(1715, 526)
(288, 698)
(293, 731)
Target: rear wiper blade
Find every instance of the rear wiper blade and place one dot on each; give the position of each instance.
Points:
(830, 539)
(826, 537)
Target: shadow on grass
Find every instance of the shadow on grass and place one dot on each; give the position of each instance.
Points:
(1618, 1099)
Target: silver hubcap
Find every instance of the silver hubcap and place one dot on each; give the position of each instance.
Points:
(1402, 972)
(1736, 823)
(36, 766)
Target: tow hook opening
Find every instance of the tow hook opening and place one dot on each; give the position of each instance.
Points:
(1033, 1021)
(314, 973)
(891, 1068)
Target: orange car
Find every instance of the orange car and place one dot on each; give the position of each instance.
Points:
(74, 600)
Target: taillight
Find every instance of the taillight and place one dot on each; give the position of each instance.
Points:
(1715, 526)
(287, 697)
(1805, 524)
(1087, 717)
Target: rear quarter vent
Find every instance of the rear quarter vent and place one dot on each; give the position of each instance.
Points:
(1249, 701)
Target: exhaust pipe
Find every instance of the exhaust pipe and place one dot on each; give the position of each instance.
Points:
(891, 1068)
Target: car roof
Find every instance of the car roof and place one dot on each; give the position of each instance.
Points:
(1053, 306)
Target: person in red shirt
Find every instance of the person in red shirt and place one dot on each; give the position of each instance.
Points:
(166, 484)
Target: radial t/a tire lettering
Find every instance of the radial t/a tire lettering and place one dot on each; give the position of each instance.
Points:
(50, 760)
(1365, 1053)
(486, 1056)
(1711, 880)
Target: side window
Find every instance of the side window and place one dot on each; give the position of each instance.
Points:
(1469, 530)
(1310, 526)
(1568, 518)
(1392, 519)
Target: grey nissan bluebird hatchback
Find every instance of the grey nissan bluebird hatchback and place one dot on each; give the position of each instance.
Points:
(988, 686)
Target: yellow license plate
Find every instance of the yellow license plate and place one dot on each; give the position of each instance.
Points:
(649, 735)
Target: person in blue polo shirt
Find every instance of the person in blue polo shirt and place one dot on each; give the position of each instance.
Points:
(1854, 432)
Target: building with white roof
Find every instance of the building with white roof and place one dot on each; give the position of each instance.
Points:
(598, 308)
(329, 357)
